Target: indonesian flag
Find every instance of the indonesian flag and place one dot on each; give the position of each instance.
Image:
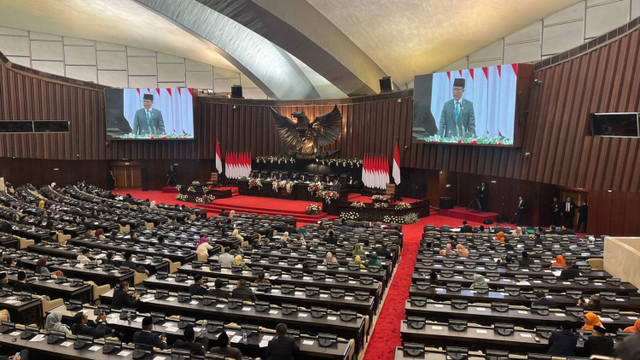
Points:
(218, 157)
(232, 166)
(396, 166)
(365, 178)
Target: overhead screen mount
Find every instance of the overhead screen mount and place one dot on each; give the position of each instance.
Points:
(35, 126)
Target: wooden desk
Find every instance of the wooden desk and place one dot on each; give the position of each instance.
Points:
(431, 354)
(173, 255)
(275, 296)
(503, 271)
(98, 274)
(23, 309)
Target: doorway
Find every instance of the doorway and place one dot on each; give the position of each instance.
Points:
(128, 174)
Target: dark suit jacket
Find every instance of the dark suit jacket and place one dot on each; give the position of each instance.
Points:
(131, 265)
(155, 126)
(466, 229)
(244, 293)
(220, 293)
(572, 208)
(570, 273)
(228, 351)
(148, 338)
(195, 289)
(562, 343)
(598, 345)
(22, 287)
(466, 122)
(195, 347)
(282, 348)
(95, 331)
(522, 208)
(122, 299)
(546, 301)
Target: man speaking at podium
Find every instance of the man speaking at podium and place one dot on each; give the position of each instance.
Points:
(458, 118)
(148, 121)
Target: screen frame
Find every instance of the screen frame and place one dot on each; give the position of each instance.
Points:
(194, 95)
(616, 136)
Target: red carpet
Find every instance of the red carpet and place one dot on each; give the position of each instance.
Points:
(386, 335)
(471, 215)
(262, 205)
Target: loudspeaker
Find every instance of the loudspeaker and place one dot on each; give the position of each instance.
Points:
(385, 84)
(236, 92)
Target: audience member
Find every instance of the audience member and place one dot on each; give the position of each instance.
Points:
(542, 299)
(237, 261)
(122, 298)
(499, 237)
(462, 251)
(433, 277)
(198, 287)
(357, 261)
(571, 272)
(525, 261)
(189, 342)
(225, 349)
(465, 228)
(261, 279)
(593, 303)
(109, 259)
(507, 245)
(127, 261)
(21, 285)
(635, 328)
(479, 282)
(591, 320)
(147, 337)
(329, 259)
(517, 232)
(598, 343)
(243, 292)
(357, 250)
(374, 260)
(282, 347)
(54, 323)
(563, 342)
(218, 291)
(628, 349)
(96, 329)
(225, 259)
(560, 261)
(447, 250)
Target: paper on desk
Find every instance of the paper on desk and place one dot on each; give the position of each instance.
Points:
(324, 296)
(267, 338)
(348, 297)
(246, 308)
(124, 353)
(193, 302)
(436, 327)
(557, 272)
(95, 348)
(307, 342)
(67, 343)
(171, 298)
(263, 343)
(273, 312)
(332, 318)
(38, 337)
(303, 314)
(159, 358)
(171, 329)
(236, 339)
(15, 333)
(527, 335)
(524, 283)
(481, 331)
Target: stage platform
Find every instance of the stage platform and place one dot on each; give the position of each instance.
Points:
(466, 214)
(263, 205)
(367, 199)
(170, 190)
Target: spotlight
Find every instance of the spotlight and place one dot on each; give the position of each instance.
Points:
(527, 155)
(448, 186)
(537, 82)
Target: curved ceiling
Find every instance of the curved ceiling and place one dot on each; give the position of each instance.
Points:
(293, 48)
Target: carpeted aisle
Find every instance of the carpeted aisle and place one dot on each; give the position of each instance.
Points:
(386, 335)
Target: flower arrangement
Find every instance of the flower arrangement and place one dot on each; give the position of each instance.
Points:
(275, 159)
(381, 205)
(191, 189)
(178, 187)
(329, 196)
(350, 215)
(405, 219)
(377, 197)
(205, 189)
(315, 188)
(313, 209)
(275, 185)
(345, 162)
(208, 198)
(402, 206)
(286, 185)
(255, 183)
(358, 204)
(182, 197)
(195, 182)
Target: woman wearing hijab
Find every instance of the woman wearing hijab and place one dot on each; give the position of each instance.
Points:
(329, 259)
(358, 261)
(54, 323)
(591, 320)
(41, 268)
(374, 260)
(357, 250)
(462, 251)
(560, 261)
(232, 214)
(285, 237)
(500, 237)
(236, 234)
(635, 328)
(202, 249)
(447, 250)
(517, 232)
(237, 261)
(302, 231)
(479, 282)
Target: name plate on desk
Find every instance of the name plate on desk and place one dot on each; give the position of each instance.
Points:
(481, 331)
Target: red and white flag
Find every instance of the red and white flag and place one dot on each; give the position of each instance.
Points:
(218, 157)
(396, 165)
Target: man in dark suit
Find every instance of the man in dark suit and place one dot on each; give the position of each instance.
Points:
(465, 228)
(583, 211)
(189, 342)
(122, 299)
(556, 214)
(97, 329)
(568, 211)
(458, 117)
(520, 210)
(243, 292)
(282, 347)
(483, 196)
(147, 337)
(148, 121)
(127, 261)
(218, 291)
(21, 285)
(563, 342)
(598, 343)
(541, 299)
(197, 288)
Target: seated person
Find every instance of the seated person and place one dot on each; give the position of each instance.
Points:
(203, 248)
(374, 260)
(563, 342)
(6, 262)
(85, 257)
(591, 320)
(282, 347)
(466, 228)
(96, 329)
(517, 232)
(542, 299)
(127, 261)
(598, 343)
(329, 259)
(447, 250)
(357, 250)
(525, 261)
(4, 281)
(243, 292)
(122, 299)
(560, 261)
(225, 349)
(225, 259)
(237, 261)
(383, 253)
(198, 287)
(21, 285)
(635, 328)
(433, 276)
(24, 355)
(479, 282)
(507, 245)
(109, 259)
(189, 342)
(218, 291)
(462, 251)
(147, 337)
(504, 260)
(571, 272)
(54, 323)
(261, 279)
(500, 237)
(357, 261)
(593, 303)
